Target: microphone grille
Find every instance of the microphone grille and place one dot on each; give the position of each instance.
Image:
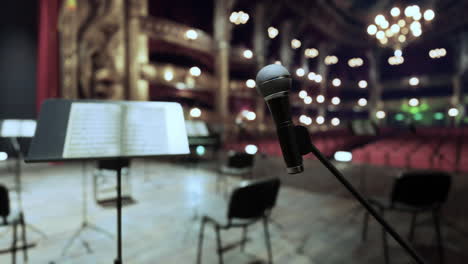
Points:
(271, 72)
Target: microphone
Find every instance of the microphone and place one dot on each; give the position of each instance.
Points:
(273, 83)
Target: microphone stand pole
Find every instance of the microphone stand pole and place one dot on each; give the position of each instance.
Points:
(339, 176)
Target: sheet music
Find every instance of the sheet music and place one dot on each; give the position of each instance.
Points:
(93, 130)
(144, 131)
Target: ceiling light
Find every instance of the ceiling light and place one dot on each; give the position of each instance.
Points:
(336, 82)
(362, 84)
(395, 11)
(248, 54)
(453, 112)
(272, 32)
(195, 71)
(320, 120)
(295, 43)
(413, 102)
(320, 98)
(413, 81)
(335, 100)
(362, 102)
(380, 114)
(429, 15)
(335, 121)
(191, 34)
(195, 112)
(311, 76)
(302, 94)
(300, 72)
(250, 83)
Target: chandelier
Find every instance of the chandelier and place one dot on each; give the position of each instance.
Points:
(401, 27)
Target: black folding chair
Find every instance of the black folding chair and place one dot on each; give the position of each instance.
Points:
(415, 192)
(13, 219)
(249, 203)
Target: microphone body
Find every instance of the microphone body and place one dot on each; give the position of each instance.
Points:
(273, 83)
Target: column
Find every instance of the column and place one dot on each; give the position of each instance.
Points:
(286, 52)
(260, 45)
(222, 36)
(375, 88)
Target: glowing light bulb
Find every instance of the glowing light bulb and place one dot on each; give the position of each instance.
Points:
(335, 100)
(413, 81)
(300, 72)
(308, 100)
(380, 114)
(362, 84)
(272, 32)
(413, 102)
(191, 34)
(295, 43)
(362, 102)
(168, 75)
(429, 15)
(248, 54)
(250, 83)
(371, 29)
(320, 120)
(320, 98)
(195, 112)
(335, 121)
(311, 76)
(395, 12)
(336, 82)
(251, 149)
(453, 112)
(302, 94)
(195, 71)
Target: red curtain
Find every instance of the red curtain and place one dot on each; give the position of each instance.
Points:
(47, 76)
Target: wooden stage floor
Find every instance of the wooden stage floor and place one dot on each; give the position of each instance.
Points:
(315, 220)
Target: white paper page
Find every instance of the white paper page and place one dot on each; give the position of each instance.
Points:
(93, 130)
(155, 128)
(144, 131)
(11, 128)
(28, 128)
(197, 128)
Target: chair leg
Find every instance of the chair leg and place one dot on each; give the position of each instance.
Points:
(244, 237)
(385, 242)
(364, 226)
(267, 240)
(219, 245)
(13, 244)
(412, 227)
(200, 241)
(440, 246)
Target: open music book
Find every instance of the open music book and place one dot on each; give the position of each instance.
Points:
(106, 129)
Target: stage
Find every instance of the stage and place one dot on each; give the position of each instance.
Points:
(315, 220)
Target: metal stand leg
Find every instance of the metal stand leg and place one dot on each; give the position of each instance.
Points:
(118, 260)
(200, 241)
(85, 224)
(267, 240)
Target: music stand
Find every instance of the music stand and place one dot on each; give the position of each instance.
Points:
(13, 129)
(108, 130)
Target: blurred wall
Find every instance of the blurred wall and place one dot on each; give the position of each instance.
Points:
(18, 44)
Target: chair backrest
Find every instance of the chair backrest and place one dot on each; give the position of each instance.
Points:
(421, 188)
(240, 160)
(253, 199)
(4, 203)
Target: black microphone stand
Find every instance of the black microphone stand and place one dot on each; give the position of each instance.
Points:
(306, 147)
